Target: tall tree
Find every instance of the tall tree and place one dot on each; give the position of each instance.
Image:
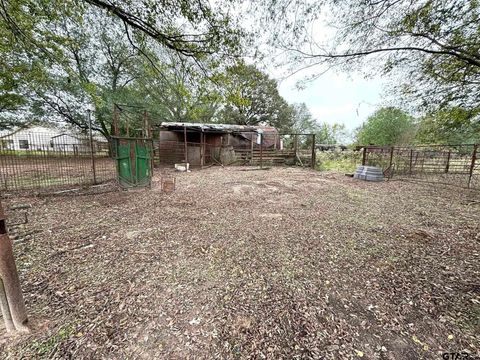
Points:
(304, 123)
(26, 54)
(450, 126)
(189, 28)
(179, 92)
(325, 133)
(252, 98)
(331, 134)
(97, 66)
(86, 52)
(387, 126)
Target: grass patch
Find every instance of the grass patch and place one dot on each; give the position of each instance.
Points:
(49, 345)
(344, 161)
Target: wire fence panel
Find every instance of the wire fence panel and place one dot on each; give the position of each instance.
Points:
(457, 165)
(237, 148)
(37, 160)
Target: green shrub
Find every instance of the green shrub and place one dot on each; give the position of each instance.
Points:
(342, 161)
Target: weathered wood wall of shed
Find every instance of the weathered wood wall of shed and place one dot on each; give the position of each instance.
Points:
(170, 147)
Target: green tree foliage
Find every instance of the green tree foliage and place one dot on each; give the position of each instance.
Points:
(189, 28)
(332, 134)
(387, 126)
(58, 58)
(96, 69)
(178, 92)
(304, 123)
(450, 126)
(325, 133)
(27, 51)
(252, 98)
(431, 46)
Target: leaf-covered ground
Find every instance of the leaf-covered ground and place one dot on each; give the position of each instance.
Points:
(235, 264)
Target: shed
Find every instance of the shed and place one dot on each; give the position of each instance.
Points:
(203, 144)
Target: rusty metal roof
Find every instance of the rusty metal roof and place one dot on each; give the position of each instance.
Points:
(224, 128)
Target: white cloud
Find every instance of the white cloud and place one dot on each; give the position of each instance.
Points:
(336, 97)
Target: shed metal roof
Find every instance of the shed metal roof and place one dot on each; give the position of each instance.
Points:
(223, 128)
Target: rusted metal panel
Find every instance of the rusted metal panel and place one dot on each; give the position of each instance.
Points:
(472, 164)
(314, 154)
(443, 164)
(3, 221)
(168, 184)
(53, 160)
(12, 303)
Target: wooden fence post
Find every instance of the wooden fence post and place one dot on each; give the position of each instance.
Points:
(364, 156)
(472, 164)
(202, 149)
(159, 147)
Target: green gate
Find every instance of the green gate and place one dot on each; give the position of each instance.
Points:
(134, 161)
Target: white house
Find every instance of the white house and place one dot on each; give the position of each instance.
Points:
(39, 138)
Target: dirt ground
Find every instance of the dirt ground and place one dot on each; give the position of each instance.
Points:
(38, 172)
(281, 263)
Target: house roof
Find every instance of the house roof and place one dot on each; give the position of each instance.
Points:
(221, 128)
(48, 132)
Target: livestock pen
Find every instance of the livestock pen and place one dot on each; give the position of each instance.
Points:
(437, 164)
(49, 159)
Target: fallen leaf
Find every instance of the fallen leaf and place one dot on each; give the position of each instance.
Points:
(359, 353)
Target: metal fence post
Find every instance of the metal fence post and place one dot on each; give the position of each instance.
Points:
(11, 298)
(295, 147)
(447, 165)
(314, 154)
(411, 162)
(91, 146)
(185, 144)
(6, 314)
(390, 170)
(116, 115)
(261, 150)
(472, 165)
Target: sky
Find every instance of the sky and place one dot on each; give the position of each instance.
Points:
(336, 97)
